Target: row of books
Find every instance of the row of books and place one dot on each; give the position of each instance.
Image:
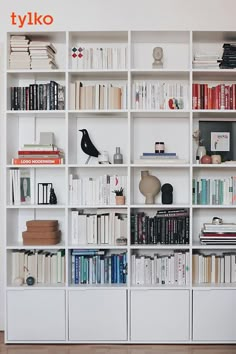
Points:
(214, 269)
(99, 58)
(159, 95)
(166, 228)
(94, 267)
(95, 190)
(169, 270)
(103, 227)
(48, 96)
(221, 96)
(214, 191)
(46, 267)
(97, 96)
(218, 234)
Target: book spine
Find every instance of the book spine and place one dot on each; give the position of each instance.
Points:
(37, 161)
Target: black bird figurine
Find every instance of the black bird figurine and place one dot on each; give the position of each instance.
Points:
(87, 145)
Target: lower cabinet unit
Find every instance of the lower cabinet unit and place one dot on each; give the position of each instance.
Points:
(214, 315)
(36, 315)
(98, 315)
(159, 315)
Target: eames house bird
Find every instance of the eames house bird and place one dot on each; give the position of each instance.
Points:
(87, 145)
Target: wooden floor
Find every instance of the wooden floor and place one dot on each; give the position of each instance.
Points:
(114, 349)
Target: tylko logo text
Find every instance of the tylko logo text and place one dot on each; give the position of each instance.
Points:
(31, 19)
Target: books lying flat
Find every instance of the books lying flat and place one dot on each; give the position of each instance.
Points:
(40, 241)
(161, 161)
(159, 154)
(41, 223)
(41, 234)
(37, 161)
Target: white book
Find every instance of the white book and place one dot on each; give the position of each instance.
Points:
(213, 268)
(72, 99)
(133, 269)
(74, 228)
(227, 268)
(222, 270)
(59, 267)
(54, 268)
(233, 268)
(102, 229)
(82, 229)
(63, 270)
(106, 240)
(15, 265)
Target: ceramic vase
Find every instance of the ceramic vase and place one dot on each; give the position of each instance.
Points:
(149, 186)
(201, 151)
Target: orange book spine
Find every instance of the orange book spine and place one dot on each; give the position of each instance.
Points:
(37, 161)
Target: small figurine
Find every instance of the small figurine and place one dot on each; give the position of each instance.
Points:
(158, 56)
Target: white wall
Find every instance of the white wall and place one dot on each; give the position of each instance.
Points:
(112, 14)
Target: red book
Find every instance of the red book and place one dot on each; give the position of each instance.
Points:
(205, 96)
(38, 152)
(37, 161)
(194, 94)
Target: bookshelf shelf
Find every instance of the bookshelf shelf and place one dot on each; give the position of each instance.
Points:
(124, 62)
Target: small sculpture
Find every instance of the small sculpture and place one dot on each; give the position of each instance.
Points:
(157, 56)
(53, 197)
(167, 193)
(87, 145)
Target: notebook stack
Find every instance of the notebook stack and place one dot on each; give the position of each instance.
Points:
(218, 234)
(229, 56)
(19, 53)
(42, 55)
(41, 232)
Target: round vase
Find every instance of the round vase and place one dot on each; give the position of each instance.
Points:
(201, 151)
(149, 186)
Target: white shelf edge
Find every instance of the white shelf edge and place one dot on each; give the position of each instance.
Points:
(37, 166)
(97, 247)
(36, 112)
(160, 206)
(34, 206)
(98, 206)
(98, 166)
(36, 71)
(199, 206)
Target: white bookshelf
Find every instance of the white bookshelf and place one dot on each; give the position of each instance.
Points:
(118, 313)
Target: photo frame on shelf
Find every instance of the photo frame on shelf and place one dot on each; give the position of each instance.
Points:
(217, 137)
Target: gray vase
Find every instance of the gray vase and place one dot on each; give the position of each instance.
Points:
(118, 157)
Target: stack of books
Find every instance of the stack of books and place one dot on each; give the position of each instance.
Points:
(19, 52)
(161, 158)
(41, 232)
(42, 55)
(229, 56)
(222, 234)
(39, 154)
(206, 61)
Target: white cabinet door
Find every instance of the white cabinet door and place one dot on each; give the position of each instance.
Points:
(34, 315)
(160, 315)
(97, 315)
(214, 315)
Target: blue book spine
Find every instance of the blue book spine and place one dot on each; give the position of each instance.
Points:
(112, 269)
(106, 271)
(94, 271)
(73, 270)
(159, 154)
(109, 270)
(118, 269)
(124, 268)
(77, 269)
